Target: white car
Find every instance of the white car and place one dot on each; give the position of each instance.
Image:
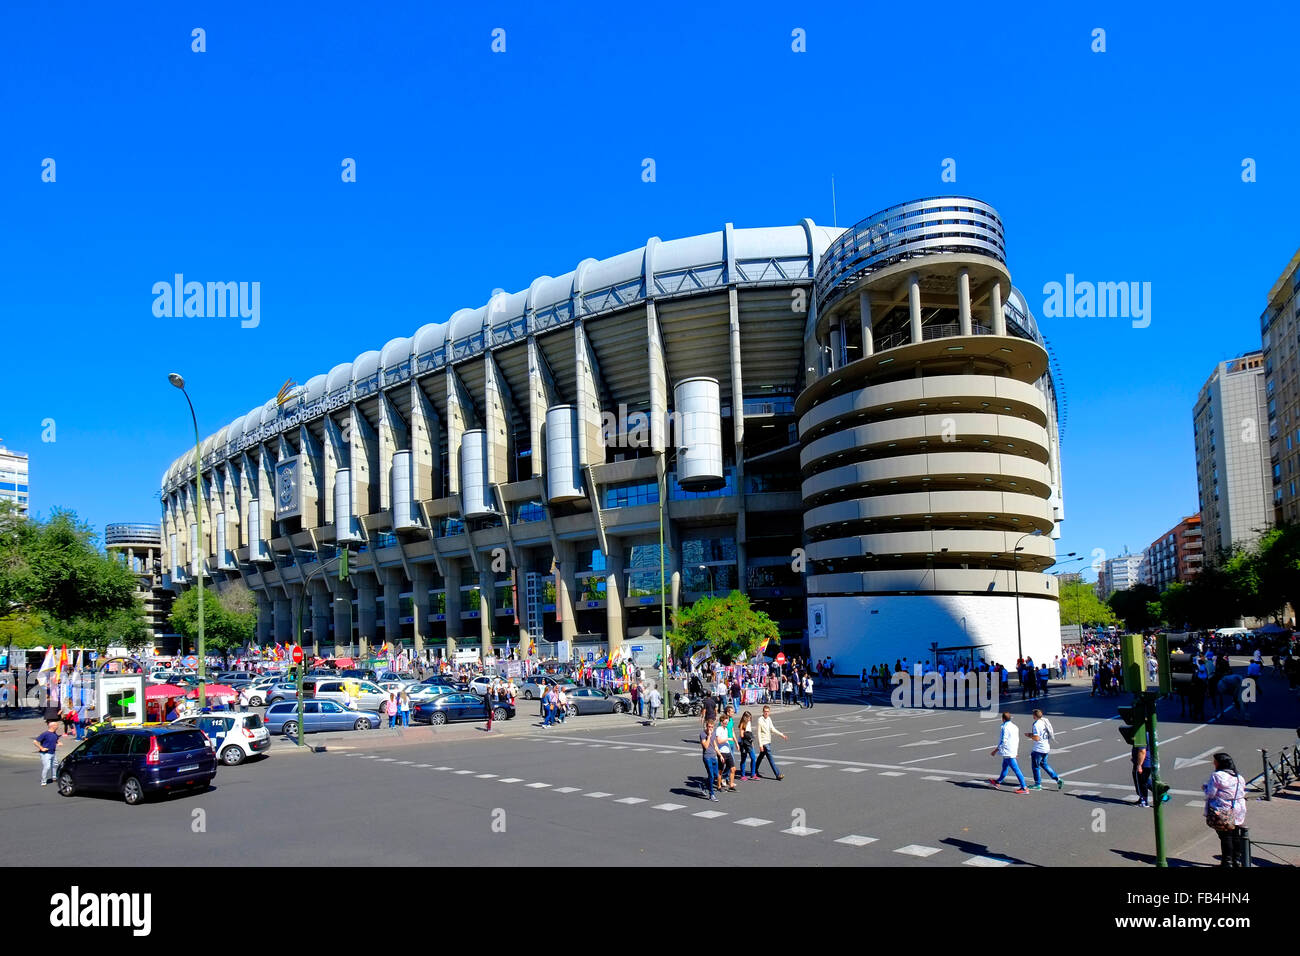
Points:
(480, 685)
(234, 737)
(397, 686)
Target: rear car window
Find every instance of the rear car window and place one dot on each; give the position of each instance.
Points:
(120, 744)
(253, 721)
(181, 741)
(140, 744)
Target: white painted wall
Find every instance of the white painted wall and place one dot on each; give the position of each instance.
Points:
(906, 625)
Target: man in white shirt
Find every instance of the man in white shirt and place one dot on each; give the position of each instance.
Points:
(1042, 734)
(808, 691)
(766, 729)
(653, 700)
(1007, 748)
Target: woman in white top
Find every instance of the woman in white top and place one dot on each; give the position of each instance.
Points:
(1225, 809)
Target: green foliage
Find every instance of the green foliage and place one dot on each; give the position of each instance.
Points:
(728, 625)
(228, 623)
(56, 586)
(1080, 605)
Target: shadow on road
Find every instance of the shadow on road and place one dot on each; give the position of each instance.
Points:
(982, 849)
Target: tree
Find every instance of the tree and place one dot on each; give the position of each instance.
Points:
(227, 625)
(1133, 606)
(1080, 605)
(1279, 566)
(728, 625)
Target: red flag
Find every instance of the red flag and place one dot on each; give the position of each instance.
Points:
(63, 659)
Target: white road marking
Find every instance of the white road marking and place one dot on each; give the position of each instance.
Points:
(1196, 803)
(424, 766)
(510, 779)
(986, 861)
(815, 766)
(802, 831)
(567, 789)
(401, 762)
(643, 750)
(1117, 757)
(752, 822)
(631, 800)
(1169, 740)
(709, 814)
(441, 768)
(1085, 726)
(669, 751)
(854, 840)
(1195, 729)
(371, 756)
(915, 849)
(387, 759)
(923, 759)
(1087, 766)
(620, 747)
(462, 773)
(668, 807)
(596, 794)
(484, 776)
(595, 745)
(1087, 793)
(853, 769)
(809, 747)
(939, 779)
(1082, 743)
(892, 773)
(538, 786)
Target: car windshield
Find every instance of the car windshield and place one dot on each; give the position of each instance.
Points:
(253, 721)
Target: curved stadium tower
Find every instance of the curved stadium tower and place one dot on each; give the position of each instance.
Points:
(857, 428)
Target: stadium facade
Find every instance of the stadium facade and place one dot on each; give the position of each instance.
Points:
(858, 428)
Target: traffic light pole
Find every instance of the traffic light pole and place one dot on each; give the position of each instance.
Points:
(1158, 788)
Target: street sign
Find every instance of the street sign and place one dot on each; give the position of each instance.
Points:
(780, 658)
(297, 654)
(591, 656)
(189, 660)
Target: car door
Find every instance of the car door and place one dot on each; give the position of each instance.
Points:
(115, 759)
(87, 771)
(334, 716)
(373, 697)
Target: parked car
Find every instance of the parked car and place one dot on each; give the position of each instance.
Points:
(372, 697)
(536, 686)
(397, 686)
(430, 691)
(464, 706)
(317, 715)
(480, 684)
(364, 673)
(445, 680)
(233, 737)
(139, 761)
(226, 677)
(282, 690)
(594, 700)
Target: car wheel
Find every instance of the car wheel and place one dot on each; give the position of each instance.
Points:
(132, 791)
(363, 723)
(232, 756)
(290, 728)
(620, 708)
(254, 702)
(528, 695)
(437, 717)
(571, 710)
(67, 787)
(499, 714)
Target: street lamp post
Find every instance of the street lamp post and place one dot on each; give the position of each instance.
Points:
(179, 382)
(1015, 554)
(661, 477)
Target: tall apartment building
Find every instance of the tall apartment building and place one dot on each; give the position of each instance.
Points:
(1118, 574)
(1281, 351)
(1177, 555)
(1233, 472)
(13, 478)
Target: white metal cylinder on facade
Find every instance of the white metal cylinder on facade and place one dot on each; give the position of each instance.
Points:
(563, 472)
(345, 522)
(698, 408)
(475, 492)
(256, 545)
(194, 549)
(221, 540)
(175, 555)
(403, 506)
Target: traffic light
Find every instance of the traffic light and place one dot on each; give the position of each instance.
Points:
(1176, 659)
(1135, 720)
(1160, 791)
(1135, 678)
(343, 564)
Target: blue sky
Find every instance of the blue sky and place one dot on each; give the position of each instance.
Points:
(479, 170)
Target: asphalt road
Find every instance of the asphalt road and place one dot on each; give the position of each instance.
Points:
(865, 784)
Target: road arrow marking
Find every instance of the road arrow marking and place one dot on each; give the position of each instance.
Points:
(1181, 762)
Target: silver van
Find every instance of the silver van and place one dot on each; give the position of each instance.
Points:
(372, 696)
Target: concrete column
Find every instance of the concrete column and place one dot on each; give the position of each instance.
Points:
(995, 306)
(868, 337)
(320, 618)
(566, 585)
(914, 307)
(615, 613)
(486, 609)
(963, 301)
(452, 585)
(675, 562)
(367, 608)
(422, 601)
(265, 619)
(283, 620)
(342, 616)
(393, 605)
(297, 613)
(837, 347)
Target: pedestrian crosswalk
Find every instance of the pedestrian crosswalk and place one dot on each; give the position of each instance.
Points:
(854, 840)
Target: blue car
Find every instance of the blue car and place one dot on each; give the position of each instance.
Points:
(465, 706)
(317, 715)
(139, 761)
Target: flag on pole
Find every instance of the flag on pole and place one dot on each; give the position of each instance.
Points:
(63, 660)
(47, 664)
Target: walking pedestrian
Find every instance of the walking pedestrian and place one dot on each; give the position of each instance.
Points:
(808, 691)
(653, 700)
(745, 735)
(636, 698)
(765, 731)
(727, 750)
(1007, 748)
(1225, 810)
(709, 749)
(47, 742)
(489, 704)
(4, 698)
(1042, 734)
(1140, 757)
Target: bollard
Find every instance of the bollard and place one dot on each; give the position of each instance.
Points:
(1244, 836)
(1268, 793)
